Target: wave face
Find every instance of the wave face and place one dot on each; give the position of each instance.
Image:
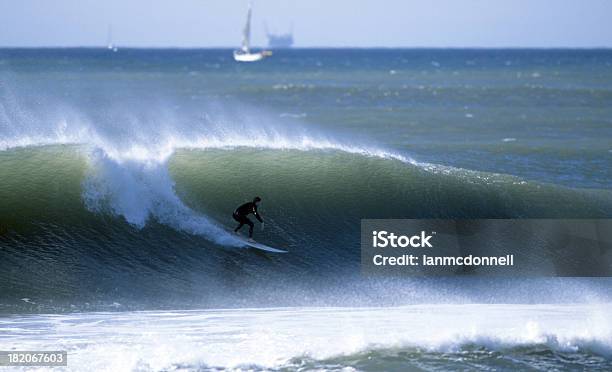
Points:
(119, 179)
(78, 219)
(419, 337)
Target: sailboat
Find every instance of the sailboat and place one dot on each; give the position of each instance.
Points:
(109, 39)
(244, 54)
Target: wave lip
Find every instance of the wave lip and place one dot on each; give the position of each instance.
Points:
(281, 337)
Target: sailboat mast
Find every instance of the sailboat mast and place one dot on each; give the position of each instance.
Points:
(246, 33)
(109, 37)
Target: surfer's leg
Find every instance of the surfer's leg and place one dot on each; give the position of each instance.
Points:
(251, 225)
(240, 220)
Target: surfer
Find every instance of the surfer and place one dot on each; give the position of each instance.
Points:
(241, 213)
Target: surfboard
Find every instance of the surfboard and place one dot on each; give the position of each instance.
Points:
(260, 246)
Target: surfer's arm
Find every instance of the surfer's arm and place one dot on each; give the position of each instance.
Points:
(257, 214)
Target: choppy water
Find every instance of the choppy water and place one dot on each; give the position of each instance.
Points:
(418, 337)
(120, 171)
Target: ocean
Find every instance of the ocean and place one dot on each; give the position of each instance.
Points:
(119, 172)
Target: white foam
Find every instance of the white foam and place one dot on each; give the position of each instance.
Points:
(159, 340)
(139, 191)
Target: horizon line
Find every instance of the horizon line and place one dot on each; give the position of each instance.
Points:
(302, 47)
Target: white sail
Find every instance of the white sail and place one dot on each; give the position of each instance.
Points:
(246, 33)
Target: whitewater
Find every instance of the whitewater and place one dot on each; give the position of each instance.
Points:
(471, 336)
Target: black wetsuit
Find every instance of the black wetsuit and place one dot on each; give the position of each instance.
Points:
(241, 213)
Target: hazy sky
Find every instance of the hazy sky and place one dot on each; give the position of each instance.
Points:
(384, 23)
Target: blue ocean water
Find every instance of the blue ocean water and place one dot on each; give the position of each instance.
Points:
(120, 171)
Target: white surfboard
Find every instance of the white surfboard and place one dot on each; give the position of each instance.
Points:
(260, 246)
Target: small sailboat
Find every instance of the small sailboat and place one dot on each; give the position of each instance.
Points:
(109, 39)
(244, 54)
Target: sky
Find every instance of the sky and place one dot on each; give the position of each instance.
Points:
(324, 23)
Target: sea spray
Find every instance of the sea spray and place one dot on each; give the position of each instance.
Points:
(138, 191)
